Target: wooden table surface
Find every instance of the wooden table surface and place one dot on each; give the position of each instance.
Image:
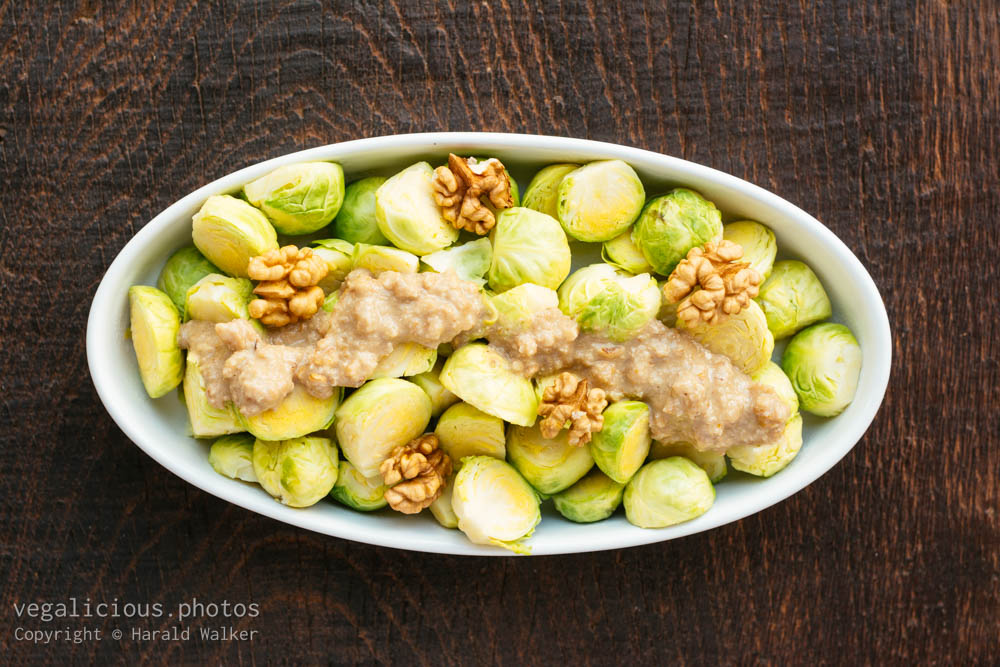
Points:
(883, 121)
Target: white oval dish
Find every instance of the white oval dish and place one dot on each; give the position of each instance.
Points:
(159, 426)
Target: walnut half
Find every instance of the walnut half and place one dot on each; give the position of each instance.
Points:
(571, 399)
(416, 473)
(288, 285)
(459, 188)
(726, 284)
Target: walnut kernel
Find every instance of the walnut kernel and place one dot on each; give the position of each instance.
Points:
(459, 188)
(726, 284)
(570, 399)
(288, 285)
(416, 472)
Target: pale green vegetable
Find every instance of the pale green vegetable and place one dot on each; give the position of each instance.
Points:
(743, 337)
(365, 494)
(481, 376)
(517, 307)
(768, 459)
(298, 472)
(217, 298)
(299, 198)
(184, 268)
(229, 231)
(672, 224)
(470, 261)
(543, 191)
(442, 509)
(621, 446)
(609, 301)
(408, 215)
(376, 418)
(758, 243)
(623, 253)
(713, 463)
(355, 222)
(792, 298)
(772, 375)
(299, 414)
(464, 431)
(430, 382)
(666, 492)
(232, 456)
(594, 498)
(330, 301)
(528, 247)
(206, 420)
(406, 359)
(823, 363)
(599, 201)
(668, 311)
(549, 465)
(379, 258)
(339, 258)
(155, 322)
(494, 504)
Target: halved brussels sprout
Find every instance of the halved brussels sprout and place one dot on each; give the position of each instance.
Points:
(528, 247)
(666, 492)
(339, 258)
(299, 414)
(229, 231)
(406, 359)
(494, 504)
(299, 198)
(408, 215)
(470, 261)
(377, 417)
(598, 201)
(823, 363)
(517, 307)
(594, 498)
(216, 298)
(184, 268)
(713, 463)
(330, 301)
(668, 311)
(441, 507)
(430, 382)
(379, 258)
(543, 191)
(481, 376)
(758, 243)
(622, 252)
(621, 446)
(298, 472)
(792, 298)
(232, 456)
(206, 421)
(743, 337)
(772, 375)
(365, 494)
(672, 224)
(766, 460)
(355, 222)
(549, 465)
(609, 301)
(466, 431)
(155, 322)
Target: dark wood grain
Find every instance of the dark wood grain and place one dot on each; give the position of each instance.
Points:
(882, 119)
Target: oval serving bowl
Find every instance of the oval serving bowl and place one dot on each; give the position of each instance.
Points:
(159, 426)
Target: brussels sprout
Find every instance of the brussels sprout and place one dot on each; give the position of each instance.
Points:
(356, 220)
(470, 261)
(155, 322)
(184, 268)
(441, 507)
(206, 421)
(494, 504)
(766, 460)
(216, 298)
(430, 382)
(408, 215)
(299, 414)
(743, 337)
(406, 359)
(465, 431)
(672, 224)
(598, 201)
(668, 491)
(379, 258)
(232, 456)
(622, 252)
(543, 191)
(621, 446)
(377, 417)
(298, 472)
(772, 375)
(228, 231)
(823, 363)
(330, 300)
(668, 311)
(365, 494)
(299, 198)
(517, 307)
(713, 463)
(481, 376)
(757, 241)
(549, 465)
(792, 298)
(528, 247)
(339, 258)
(594, 498)
(609, 301)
